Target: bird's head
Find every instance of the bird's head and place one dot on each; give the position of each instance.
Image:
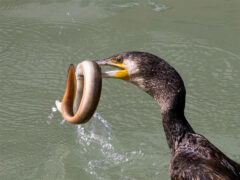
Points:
(126, 64)
(149, 72)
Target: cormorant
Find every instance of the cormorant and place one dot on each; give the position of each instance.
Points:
(193, 156)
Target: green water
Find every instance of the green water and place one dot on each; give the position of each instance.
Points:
(38, 41)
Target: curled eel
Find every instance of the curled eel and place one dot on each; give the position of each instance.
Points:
(82, 92)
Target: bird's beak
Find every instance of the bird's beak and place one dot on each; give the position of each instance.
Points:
(119, 74)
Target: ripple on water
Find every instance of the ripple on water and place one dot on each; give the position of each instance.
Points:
(34, 46)
(33, 56)
(33, 61)
(156, 6)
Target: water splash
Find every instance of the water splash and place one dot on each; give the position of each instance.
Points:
(105, 123)
(69, 15)
(97, 126)
(96, 144)
(60, 31)
(63, 121)
(51, 115)
(95, 139)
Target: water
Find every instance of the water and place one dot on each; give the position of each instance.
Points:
(38, 41)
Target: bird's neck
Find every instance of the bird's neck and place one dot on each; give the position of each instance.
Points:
(171, 98)
(172, 103)
(175, 126)
(165, 85)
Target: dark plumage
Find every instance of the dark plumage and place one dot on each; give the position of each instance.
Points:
(193, 156)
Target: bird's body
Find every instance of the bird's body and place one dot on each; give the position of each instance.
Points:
(196, 158)
(193, 156)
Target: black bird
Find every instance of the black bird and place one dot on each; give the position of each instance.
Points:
(193, 156)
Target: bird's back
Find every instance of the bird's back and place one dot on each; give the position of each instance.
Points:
(196, 158)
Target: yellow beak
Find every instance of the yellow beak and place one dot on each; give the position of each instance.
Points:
(119, 74)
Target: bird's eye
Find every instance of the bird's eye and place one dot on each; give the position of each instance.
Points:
(119, 59)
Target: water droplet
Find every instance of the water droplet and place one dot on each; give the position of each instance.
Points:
(54, 109)
(62, 122)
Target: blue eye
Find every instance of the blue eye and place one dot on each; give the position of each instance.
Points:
(119, 59)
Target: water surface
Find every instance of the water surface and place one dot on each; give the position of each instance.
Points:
(38, 41)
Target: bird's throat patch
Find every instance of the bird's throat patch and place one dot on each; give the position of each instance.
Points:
(123, 74)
